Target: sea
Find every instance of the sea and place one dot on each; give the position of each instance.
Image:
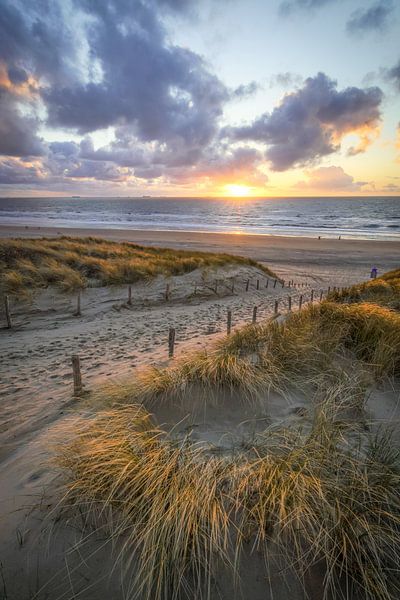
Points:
(350, 217)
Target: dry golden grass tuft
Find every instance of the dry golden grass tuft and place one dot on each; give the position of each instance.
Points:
(179, 514)
(384, 291)
(310, 350)
(72, 263)
(326, 494)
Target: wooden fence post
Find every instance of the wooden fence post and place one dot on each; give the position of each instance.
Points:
(7, 309)
(76, 370)
(283, 283)
(275, 283)
(229, 323)
(290, 283)
(258, 284)
(312, 296)
(329, 289)
(266, 285)
(171, 342)
(290, 302)
(216, 286)
(78, 305)
(130, 295)
(233, 286)
(300, 301)
(254, 320)
(167, 292)
(321, 295)
(247, 285)
(276, 307)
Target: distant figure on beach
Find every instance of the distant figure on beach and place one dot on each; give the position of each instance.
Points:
(319, 237)
(374, 272)
(340, 237)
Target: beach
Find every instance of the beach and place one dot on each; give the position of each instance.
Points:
(113, 339)
(307, 257)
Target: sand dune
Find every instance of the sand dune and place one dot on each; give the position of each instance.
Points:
(39, 555)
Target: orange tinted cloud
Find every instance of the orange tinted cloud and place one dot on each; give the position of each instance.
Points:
(26, 89)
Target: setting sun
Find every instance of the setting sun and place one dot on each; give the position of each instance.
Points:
(237, 190)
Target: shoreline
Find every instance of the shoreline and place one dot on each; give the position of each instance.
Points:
(117, 233)
(60, 229)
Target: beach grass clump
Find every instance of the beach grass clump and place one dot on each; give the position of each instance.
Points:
(73, 263)
(321, 497)
(165, 504)
(177, 514)
(384, 290)
(310, 351)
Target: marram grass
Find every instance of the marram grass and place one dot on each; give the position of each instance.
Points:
(310, 350)
(384, 291)
(72, 263)
(178, 515)
(326, 495)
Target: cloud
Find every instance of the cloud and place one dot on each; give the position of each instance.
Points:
(111, 64)
(161, 91)
(222, 166)
(15, 172)
(393, 75)
(285, 80)
(289, 6)
(245, 90)
(391, 187)
(85, 65)
(374, 18)
(329, 179)
(311, 122)
(18, 132)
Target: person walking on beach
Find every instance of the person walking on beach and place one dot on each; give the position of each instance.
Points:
(374, 272)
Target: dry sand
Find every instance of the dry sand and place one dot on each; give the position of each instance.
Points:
(346, 260)
(37, 553)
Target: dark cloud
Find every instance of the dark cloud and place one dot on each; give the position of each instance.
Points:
(18, 132)
(393, 75)
(310, 122)
(374, 18)
(109, 63)
(100, 170)
(245, 90)
(162, 91)
(17, 75)
(86, 65)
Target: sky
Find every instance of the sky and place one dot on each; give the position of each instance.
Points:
(199, 97)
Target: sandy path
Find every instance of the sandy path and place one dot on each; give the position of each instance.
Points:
(113, 338)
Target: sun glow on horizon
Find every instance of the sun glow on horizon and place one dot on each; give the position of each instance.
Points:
(237, 190)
